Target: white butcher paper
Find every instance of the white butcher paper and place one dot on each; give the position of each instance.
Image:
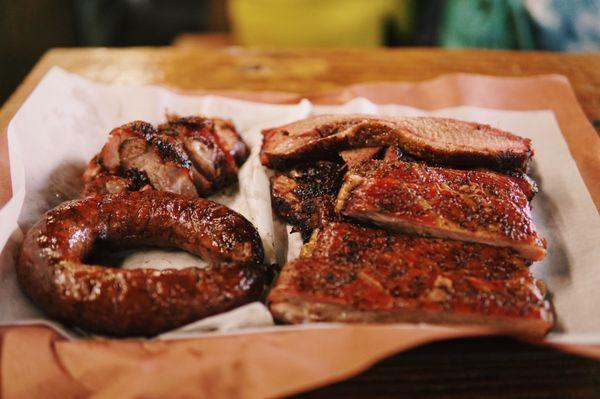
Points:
(66, 120)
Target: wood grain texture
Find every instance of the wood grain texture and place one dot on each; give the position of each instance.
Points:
(437, 370)
(310, 70)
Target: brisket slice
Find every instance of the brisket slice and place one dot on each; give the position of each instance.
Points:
(476, 206)
(349, 273)
(357, 155)
(305, 196)
(440, 140)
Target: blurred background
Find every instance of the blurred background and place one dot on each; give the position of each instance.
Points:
(29, 27)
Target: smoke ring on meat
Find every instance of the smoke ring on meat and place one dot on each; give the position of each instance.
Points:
(110, 300)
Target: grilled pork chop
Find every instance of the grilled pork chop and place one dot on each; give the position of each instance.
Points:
(305, 196)
(193, 156)
(356, 274)
(100, 181)
(477, 206)
(137, 146)
(444, 141)
(214, 147)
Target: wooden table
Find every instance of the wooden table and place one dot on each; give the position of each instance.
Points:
(491, 367)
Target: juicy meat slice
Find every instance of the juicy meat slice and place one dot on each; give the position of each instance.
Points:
(222, 131)
(215, 148)
(305, 196)
(99, 182)
(107, 184)
(137, 148)
(358, 274)
(441, 140)
(162, 159)
(395, 153)
(194, 156)
(357, 155)
(477, 206)
(231, 140)
(526, 183)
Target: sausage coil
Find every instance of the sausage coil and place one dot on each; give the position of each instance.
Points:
(109, 300)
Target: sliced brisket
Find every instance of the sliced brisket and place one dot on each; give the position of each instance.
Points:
(440, 140)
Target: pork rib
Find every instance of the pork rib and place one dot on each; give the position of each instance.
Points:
(440, 140)
(477, 206)
(526, 183)
(357, 274)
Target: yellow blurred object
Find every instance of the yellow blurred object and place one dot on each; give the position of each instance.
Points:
(314, 23)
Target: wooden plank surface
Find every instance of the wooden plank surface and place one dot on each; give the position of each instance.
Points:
(304, 71)
(439, 370)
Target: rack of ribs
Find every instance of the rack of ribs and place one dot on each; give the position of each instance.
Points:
(193, 156)
(349, 273)
(443, 141)
(469, 205)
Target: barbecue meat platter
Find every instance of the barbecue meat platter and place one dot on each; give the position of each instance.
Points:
(403, 220)
(406, 220)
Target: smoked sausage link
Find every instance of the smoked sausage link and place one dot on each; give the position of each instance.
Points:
(110, 300)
